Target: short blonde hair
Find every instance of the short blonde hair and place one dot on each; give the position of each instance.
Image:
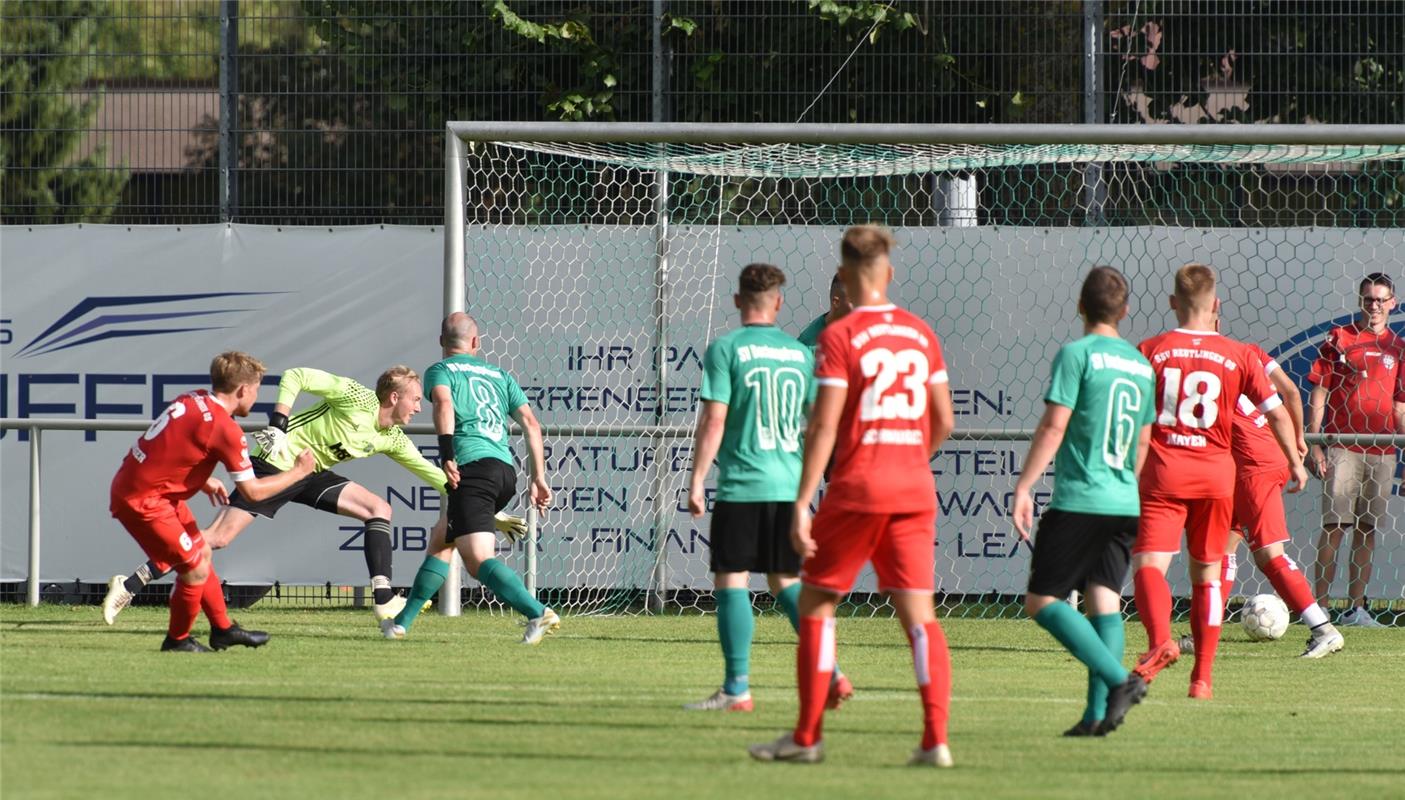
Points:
(230, 370)
(1195, 285)
(863, 244)
(395, 379)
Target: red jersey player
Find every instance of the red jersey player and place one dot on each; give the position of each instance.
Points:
(172, 461)
(1260, 474)
(1188, 481)
(882, 410)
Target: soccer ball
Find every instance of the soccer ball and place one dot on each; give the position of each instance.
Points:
(1264, 617)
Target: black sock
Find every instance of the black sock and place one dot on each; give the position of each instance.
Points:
(378, 557)
(145, 574)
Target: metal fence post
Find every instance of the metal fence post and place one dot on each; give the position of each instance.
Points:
(533, 520)
(229, 105)
(34, 497)
(1094, 184)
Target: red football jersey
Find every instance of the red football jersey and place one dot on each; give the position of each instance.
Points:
(1361, 372)
(1254, 446)
(176, 455)
(887, 358)
(1199, 378)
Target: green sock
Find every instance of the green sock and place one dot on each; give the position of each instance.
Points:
(789, 600)
(1076, 634)
(505, 584)
(431, 576)
(735, 624)
(1114, 636)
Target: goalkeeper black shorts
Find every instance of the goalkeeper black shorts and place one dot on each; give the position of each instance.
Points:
(1073, 549)
(485, 487)
(320, 490)
(753, 537)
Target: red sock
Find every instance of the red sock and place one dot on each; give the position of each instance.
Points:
(185, 607)
(1153, 598)
(814, 663)
(1206, 617)
(212, 601)
(1289, 583)
(1229, 570)
(932, 662)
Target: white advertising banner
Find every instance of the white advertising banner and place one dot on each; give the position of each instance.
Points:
(111, 322)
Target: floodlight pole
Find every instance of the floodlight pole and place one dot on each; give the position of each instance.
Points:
(455, 299)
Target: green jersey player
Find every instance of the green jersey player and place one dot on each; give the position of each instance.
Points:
(350, 421)
(473, 401)
(757, 381)
(1096, 425)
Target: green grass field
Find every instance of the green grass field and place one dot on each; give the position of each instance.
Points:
(330, 709)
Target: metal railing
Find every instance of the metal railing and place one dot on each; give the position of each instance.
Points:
(37, 425)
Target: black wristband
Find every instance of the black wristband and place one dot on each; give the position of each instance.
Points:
(277, 420)
(446, 447)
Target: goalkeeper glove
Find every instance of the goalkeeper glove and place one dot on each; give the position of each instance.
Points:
(271, 441)
(514, 528)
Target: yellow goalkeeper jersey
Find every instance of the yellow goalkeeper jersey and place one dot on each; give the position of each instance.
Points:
(343, 426)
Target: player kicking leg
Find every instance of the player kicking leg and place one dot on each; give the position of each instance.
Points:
(1096, 427)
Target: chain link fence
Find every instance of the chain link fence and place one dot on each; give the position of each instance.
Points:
(332, 111)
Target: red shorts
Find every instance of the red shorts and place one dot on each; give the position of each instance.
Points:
(1205, 521)
(1258, 507)
(902, 548)
(166, 531)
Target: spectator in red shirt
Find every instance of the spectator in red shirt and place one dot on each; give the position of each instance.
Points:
(1358, 387)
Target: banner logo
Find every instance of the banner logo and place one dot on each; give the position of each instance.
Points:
(95, 319)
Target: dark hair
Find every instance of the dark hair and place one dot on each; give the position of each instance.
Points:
(1104, 295)
(1376, 279)
(862, 244)
(759, 279)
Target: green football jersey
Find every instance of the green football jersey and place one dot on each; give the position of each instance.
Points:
(343, 426)
(766, 378)
(1112, 391)
(810, 337)
(484, 398)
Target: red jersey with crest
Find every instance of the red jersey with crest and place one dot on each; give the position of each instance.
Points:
(887, 357)
(1361, 371)
(1254, 447)
(1199, 378)
(177, 454)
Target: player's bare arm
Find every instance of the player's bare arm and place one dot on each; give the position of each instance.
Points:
(1317, 407)
(1399, 409)
(532, 434)
(1143, 443)
(1293, 401)
(259, 489)
(707, 439)
(1282, 425)
(1047, 438)
(943, 415)
(443, 402)
(215, 489)
(820, 433)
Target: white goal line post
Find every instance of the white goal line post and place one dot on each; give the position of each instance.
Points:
(1209, 143)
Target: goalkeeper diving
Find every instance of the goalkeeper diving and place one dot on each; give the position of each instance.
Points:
(351, 421)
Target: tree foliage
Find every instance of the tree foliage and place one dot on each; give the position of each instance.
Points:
(45, 50)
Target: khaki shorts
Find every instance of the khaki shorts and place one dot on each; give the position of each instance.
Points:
(1356, 488)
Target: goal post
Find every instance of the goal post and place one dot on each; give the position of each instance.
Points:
(600, 259)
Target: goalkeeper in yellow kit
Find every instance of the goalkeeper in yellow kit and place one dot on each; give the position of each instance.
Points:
(351, 421)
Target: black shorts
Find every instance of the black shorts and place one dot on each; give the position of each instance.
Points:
(320, 490)
(753, 537)
(485, 487)
(1072, 549)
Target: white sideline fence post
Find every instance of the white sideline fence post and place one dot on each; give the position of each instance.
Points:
(35, 496)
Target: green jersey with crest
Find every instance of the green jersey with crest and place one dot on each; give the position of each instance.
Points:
(765, 378)
(484, 398)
